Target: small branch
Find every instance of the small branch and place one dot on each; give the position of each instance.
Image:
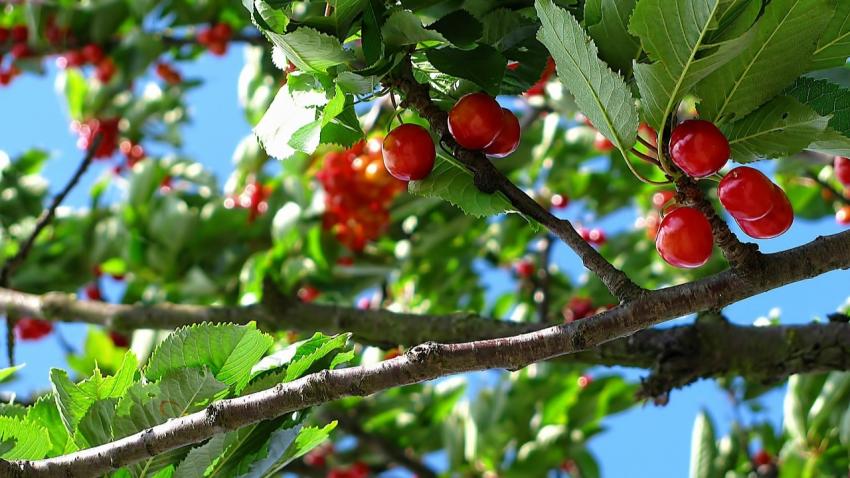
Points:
(490, 180)
(43, 221)
(743, 257)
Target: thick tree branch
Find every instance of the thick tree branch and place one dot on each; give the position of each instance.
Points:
(433, 360)
(490, 180)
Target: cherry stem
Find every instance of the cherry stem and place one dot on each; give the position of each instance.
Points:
(646, 143)
(649, 159)
(328, 9)
(643, 178)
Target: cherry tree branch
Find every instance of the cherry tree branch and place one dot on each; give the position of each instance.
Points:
(490, 180)
(432, 360)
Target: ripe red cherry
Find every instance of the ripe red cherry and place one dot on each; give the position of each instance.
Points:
(92, 292)
(19, 33)
(775, 223)
(560, 201)
(699, 148)
(119, 339)
(746, 193)
(602, 144)
(762, 457)
(105, 70)
(475, 120)
(4, 34)
(842, 170)
(584, 381)
(577, 308)
(308, 293)
(661, 198)
(93, 53)
(28, 328)
(843, 216)
(524, 268)
(507, 140)
(539, 87)
(684, 238)
(409, 152)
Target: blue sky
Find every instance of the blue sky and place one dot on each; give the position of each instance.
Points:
(647, 441)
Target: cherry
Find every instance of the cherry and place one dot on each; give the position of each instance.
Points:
(88, 130)
(345, 261)
(762, 457)
(775, 223)
(71, 59)
(308, 293)
(105, 70)
(364, 303)
(577, 308)
(507, 140)
(524, 268)
(684, 238)
(19, 33)
(475, 120)
(409, 152)
(843, 216)
(540, 87)
(648, 133)
(4, 34)
(596, 237)
(20, 50)
(661, 198)
(392, 353)
(584, 381)
(133, 152)
(28, 328)
(746, 193)
(842, 170)
(119, 339)
(92, 53)
(560, 201)
(92, 292)
(602, 144)
(168, 74)
(699, 148)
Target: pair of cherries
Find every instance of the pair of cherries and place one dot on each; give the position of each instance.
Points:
(476, 122)
(760, 208)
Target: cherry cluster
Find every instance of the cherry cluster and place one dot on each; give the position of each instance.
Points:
(842, 173)
(359, 189)
(216, 38)
(254, 198)
(88, 130)
(477, 122)
(91, 54)
(761, 208)
(17, 36)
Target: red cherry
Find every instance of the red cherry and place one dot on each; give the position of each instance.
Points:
(602, 144)
(843, 216)
(359, 470)
(105, 70)
(842, 170)
(93, 53)
(540, 87)
(596, 237)
(19, 33)
(775, 223)
(648, 133)
(475, 120)
(119, 339)
(409, 152)
(5, 78)
(92, 292)
(699, 148)
(205, 36)
(217, 48)
(222, 32)
(584, 381)
(584, 233)
(308, 293)
(20, 50)
(71, 59)
(4, 34)
(28, 328)
(577, 308)
(524, 268)
(684, 238)
(762, 457)
(661, 198)
(507, 140)
(746, 193)
(560, 201)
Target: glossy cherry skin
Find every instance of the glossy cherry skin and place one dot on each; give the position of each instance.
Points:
(602, 144)
(409, 152)
(775, 223)
(746, 193)
(684, 238)
(475, 121)
(661, 198)
(699, 148)
(507, 140)
(842, 170)
(28, 328)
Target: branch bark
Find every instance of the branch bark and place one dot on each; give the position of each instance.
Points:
(490, 180)
(432, 360)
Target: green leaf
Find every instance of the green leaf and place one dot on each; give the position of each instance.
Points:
(8, 373)
(31, 441)
(334, 107)
(76, 89)
(483, 65)
(313, 350)
(370, 30)
(344, 12)
(607, 21)
(601, 94)
(452, 182)
(829, 405)
(798, 400)
(831, 142)
(404, 28)
(95, 427)
(269, 16)
(826, 98)
(286, 446)
(46, 414)
(344, 130)
(310, 50)
(201, 457)
(703, 448)
(782, 127)
(676, 38)
(833, 46)
(459, 27)
(784, 41)
(228, 350)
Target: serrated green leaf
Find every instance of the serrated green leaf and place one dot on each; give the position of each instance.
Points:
(459, 27)
(404, 28)
(607, 22)
(8, 373)
(30, 441)
(95, 427)
(201, 457)
(831, 142)
(311, 351)
(736, 17)
(601, 94)
(703, 448)
(290, 117)
(782, 127)
(46, 414)
(483, 65)
(453, 183)
(344, 130)
(354, 83)
(675, 35)
(784, 40)
(269, 16)
(833, 46)
(826, 98)
(228, 350)
(310, 50)
(370, 30)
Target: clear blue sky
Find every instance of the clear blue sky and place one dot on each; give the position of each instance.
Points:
(647, 441)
